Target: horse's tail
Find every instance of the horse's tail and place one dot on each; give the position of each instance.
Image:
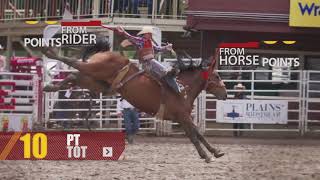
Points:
(102, 44)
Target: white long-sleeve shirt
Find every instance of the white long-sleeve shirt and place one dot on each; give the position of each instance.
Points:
(122, 105)
(2, 63)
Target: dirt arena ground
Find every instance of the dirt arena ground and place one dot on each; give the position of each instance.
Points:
(176, 158)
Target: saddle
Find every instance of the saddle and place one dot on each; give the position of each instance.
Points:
(120, 81)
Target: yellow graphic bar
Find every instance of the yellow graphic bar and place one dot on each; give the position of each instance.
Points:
(270, 42)
(31, 22)
(289, 42)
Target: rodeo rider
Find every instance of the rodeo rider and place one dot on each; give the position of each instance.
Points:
(146, 52)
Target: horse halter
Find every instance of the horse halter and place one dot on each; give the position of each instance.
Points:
(210, 81)
(219, 84)
(206, 74)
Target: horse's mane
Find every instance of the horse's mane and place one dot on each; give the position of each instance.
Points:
(191, 67)
(102, 45)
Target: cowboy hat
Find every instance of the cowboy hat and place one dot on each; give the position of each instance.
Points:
(145, 30)
(239, 86)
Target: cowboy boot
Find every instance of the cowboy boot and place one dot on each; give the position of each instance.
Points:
(174, 71)
(171, 81)
(130, 138)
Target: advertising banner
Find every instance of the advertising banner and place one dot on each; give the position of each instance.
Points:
(304, 13)
(252, 111)
(15, 122)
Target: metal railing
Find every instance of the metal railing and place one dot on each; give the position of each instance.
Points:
(301, 88)
(103, 113)
(12, 10)
(71, 112)
(312, 101)
(270, 89)
(18, 99)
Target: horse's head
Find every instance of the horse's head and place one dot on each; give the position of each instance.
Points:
(214, 84)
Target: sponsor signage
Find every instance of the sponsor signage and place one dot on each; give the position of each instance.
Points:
(15, 122)
(304, 13)
(253, 111)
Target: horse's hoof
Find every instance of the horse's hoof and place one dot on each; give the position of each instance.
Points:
(218, 154)
(208, 160)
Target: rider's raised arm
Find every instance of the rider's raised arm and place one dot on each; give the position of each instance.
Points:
(162, 48)
(133, 39)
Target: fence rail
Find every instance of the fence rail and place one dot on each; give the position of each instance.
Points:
(312, 102)
(296, 88)
(19, 103)
(13, 10)
(301, 90)
(293, 96)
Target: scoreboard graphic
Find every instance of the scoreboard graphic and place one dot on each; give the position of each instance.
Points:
(61, 145)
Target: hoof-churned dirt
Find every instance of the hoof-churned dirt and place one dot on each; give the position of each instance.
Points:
(176, 158)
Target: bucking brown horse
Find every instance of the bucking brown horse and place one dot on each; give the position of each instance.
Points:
(146, 94)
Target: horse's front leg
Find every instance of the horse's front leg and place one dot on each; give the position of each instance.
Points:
(191, 133)
(216, 152)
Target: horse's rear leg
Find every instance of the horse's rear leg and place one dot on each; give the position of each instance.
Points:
(216, 152)
(62, 85)
(191, 133)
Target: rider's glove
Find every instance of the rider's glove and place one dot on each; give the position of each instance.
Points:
(169, 47)
(120, 30)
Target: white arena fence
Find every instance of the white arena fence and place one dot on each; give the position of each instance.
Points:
(311, 101)
(295, 86)
(14, 10)
(300, 88)
(71, 112)
(19, 101)
(64, 112)
(273, 88)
